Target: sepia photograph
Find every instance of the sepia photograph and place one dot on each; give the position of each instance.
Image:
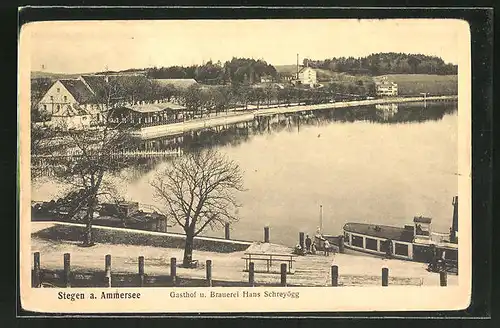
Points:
(245, 165)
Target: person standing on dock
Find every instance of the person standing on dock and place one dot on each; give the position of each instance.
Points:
(327, 247)
(308, 244)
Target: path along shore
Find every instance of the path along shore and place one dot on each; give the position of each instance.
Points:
(311, 270)
(245, 116)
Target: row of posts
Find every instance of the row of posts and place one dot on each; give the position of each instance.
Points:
(173, 272)
(208, 266)
(107, 270)
(228, 236)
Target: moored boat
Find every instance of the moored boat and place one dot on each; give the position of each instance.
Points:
(415, 242)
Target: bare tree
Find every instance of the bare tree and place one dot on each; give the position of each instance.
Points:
(198, 190)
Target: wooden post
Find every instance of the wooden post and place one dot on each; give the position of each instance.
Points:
(385, 277)
(335, 275)
(443, 278)
(173, 270)
(301, 240)
(141, 271)
(266, 234)
(226, 231)
(36, 270)
(67, 270)
(251, 274)
(283, 274)
(341, 244)
(107, 270)
(209, 273)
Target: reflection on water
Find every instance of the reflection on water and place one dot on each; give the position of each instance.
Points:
(236, 134)
(361, 164)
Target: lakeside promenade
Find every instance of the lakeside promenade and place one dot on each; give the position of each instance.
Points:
(248, 115)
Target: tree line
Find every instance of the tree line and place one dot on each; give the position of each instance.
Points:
(200, 100)
(386, 63)
(237, 70)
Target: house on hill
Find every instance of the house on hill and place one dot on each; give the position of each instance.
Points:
(386, 88)
(298, 75)
(307, 76)
(266, 79)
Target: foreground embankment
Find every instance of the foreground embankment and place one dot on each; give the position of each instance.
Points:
(233, 118)
(112, 235)
(227, 269)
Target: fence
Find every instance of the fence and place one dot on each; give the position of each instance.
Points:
(117, 154)
(66, 278)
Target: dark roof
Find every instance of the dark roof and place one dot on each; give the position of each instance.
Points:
(421, 219)
(179, 83)
(96, 83)
(39, 87)
(380, 231)
(78, 90)
(304, 68)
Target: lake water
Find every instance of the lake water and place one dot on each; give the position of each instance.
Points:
(361, 164)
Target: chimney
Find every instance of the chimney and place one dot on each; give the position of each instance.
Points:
(454, 224)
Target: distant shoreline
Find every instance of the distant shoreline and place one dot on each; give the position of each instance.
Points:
(178, 128)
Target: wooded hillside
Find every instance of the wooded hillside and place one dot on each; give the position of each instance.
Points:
(386, 63)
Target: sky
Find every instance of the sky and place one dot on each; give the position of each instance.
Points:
(90, 46)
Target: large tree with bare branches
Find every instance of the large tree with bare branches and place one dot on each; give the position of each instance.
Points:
(85, 155)
(199, 191)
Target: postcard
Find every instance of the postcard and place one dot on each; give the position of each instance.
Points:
(272, 165)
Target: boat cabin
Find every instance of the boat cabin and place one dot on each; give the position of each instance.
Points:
(422, 227)
(380, 239)
(411, 242)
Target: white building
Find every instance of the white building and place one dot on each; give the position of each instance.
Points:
(266, 79)
(81, 102)
(69, 104)
(307, 76)
(386, 88)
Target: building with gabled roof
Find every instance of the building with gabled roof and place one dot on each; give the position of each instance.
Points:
(86, 99)
(58, 96)
(68, 103)
(307, 76)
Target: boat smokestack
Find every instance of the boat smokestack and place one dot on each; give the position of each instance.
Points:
(454, 224)
(321, 218)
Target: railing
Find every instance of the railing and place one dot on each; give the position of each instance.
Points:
(269, 258)
(125, 153)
